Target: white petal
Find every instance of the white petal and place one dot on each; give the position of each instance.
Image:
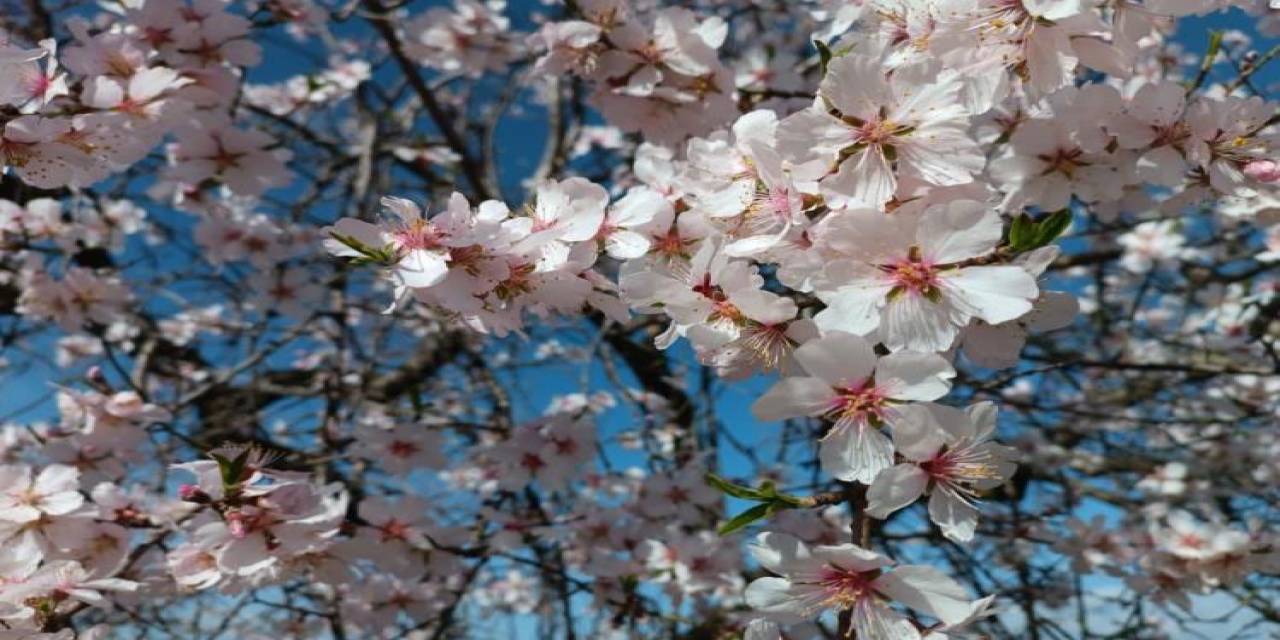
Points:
(916, 433)
(855, 453)
(913, 322)
(792, 398)
(959, 230)
(927, 590)
(955, 517)
(995, 294)
(895, 488)
(779, 598)
(626, 245)
(420, 269)
(783, 554)
(907, 375)
(838, 358)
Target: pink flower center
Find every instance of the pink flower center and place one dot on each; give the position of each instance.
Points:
(845, 587)
(915, 275)
(877, 131)
(959, 466)
(417, 235)
(862, 402)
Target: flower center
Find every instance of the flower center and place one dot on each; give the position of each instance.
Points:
(844, 587)
(418, 234)
(914, 275)
(862, 402)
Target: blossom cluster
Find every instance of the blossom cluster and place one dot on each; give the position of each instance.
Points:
(859, 207)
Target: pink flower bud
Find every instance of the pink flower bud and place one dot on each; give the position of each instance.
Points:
(192, 493)
(236, 525)
(1263, 170)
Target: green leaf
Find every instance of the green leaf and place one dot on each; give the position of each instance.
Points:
(747, 517)
(1051, 227)
(384, 255)
(1026, 234)
(1022, 233)
(735, 490)
(824, 55)
(224, 469)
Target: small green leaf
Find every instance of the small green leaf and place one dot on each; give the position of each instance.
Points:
(824, 55)
(747, 517)
(1022, 233)
(735, 490)
(384, 255)
(1050, 228)
(224, 469)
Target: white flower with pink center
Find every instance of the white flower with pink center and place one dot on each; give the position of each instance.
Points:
(860, 393)
(848, 577)
(947, 454)
(910, 124)
(916, 277)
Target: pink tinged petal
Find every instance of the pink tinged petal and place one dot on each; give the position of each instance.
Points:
(1164, 166)
(942, 154)
(906, 375)
(916, 432)
(763, 306)
(245, 556)
(149, 83)
(585, 202)
(872, 619)
(747, 247)
(914, 322)
(982, 416)
(957, 518)
(958, 231)
(792, 398)
(895, 488)
(57, 478)
(420, 268)
(955, 423)
(19, 513)
(840, 359)
(784, 554)
(626, 245)
(729, 201)
(863, 179)
(995, 293)
(638, 207)
(851, 557)
(812, 134)
(61, 503)
(1102, 56)
(101, 92)
(855, 453)
(760, 629)
(927, 590)
(854, 309)
(855, 84)
(1160, 104)
(781, 599)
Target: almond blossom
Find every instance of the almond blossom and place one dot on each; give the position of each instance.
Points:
(860, 393)
(912, 276)
(948, 454)
(876, 128)
(847, 576)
